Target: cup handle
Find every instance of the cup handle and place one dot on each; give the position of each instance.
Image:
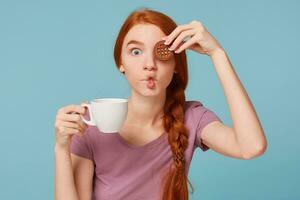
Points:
(92, 121)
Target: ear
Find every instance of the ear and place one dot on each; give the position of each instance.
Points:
(122, 68)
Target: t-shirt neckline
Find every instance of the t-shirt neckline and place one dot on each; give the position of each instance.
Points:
(147, 145)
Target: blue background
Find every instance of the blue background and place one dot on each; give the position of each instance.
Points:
(55, 53)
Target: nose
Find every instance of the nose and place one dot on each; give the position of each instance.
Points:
(150, 64)
(149, 67)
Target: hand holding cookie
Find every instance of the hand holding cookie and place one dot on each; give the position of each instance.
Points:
(193, 36)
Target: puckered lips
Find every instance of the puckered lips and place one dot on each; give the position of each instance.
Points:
(149, 77)
(150, 81)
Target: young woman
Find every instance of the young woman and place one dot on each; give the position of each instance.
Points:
(149, 157)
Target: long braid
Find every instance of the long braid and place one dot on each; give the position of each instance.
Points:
(176, 180)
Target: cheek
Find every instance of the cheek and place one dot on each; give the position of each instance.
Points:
(132, 71)
(167, 77)
(130, 60)
(129, 57)
(131, 64)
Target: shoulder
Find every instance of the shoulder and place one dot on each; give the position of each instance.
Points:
(199, 115)
(196, 107)
(192, 106)
(192, 103)
(193, 112)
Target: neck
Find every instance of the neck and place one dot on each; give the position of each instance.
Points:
(145, 111)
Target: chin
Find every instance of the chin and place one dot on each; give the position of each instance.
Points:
(150, 92)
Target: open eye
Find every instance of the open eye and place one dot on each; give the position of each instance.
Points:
(135, 51)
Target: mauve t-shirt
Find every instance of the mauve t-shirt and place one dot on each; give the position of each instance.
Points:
(129, 172)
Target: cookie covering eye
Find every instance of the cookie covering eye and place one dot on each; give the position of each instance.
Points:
(161, 51)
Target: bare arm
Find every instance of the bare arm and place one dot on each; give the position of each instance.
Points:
(246, 139)
(83, 170)
(64, 180)
(246, 125)
(73, 176)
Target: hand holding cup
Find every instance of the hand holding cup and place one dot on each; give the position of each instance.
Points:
(68, 122)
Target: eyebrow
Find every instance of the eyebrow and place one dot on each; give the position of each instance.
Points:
(134, 42)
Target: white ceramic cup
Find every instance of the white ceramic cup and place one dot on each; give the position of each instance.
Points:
(108, 114)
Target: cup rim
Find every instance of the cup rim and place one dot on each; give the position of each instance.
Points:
(112, 100)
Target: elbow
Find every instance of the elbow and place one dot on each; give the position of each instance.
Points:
(256, 152)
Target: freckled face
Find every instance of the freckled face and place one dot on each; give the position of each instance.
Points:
(138, 60)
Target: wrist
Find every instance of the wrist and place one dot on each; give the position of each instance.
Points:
(217, 52)
(58, 148)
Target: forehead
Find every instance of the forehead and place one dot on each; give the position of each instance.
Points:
(146, 33)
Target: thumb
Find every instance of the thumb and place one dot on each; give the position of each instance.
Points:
(83, 102)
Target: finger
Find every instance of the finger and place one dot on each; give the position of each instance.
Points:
(186, 45)
(179, 39)
(69, 125)
(84, 107)
(82, 126)
(73, 108)
(176, 32)
(69, 117)
(68, 131)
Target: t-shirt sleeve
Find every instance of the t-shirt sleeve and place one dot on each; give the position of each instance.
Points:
(81, 145)
(202, 117)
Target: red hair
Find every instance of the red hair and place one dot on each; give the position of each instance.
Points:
(175, 180)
